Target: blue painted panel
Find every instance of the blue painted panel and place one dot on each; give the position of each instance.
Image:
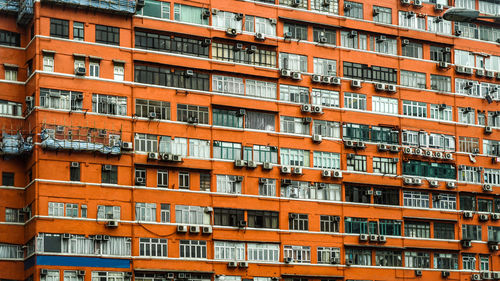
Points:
(83, 261)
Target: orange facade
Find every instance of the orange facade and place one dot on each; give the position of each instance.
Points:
(230, 139)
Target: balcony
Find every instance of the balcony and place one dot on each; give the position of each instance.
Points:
(127, 7)
(15, 144)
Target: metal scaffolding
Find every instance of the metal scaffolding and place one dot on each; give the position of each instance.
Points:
(110, 6)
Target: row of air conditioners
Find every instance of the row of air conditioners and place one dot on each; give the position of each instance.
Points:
(354, 144)
(325, 79)
(412, 181)
(234, 264)
(486, 275)
(386, 87)
(370, 192)
(291, 170)
(382, 147)
(331, 174)
(311, 108)
(164, 157)
(194, 229)
(372, 238)
(482, 217)
(428, 153)
(290, 74)
(242, 163)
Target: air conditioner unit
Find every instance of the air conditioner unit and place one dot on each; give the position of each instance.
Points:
(238, 16)
(239, 163)
(206, 42)
(182, 228)
(326, 173)
(316, 109)
(466, 243)
(417, 3)
(176, 158)
(380, 87)
(382, 239)
(232, 264)
(405, 42)
(405, 2)
(353, 33)
(496, 275)
(140, 180)
(433, 183)
(260, 36)
(205, 14)
(495, 160)
(376, 11)
(80, 71)
(451, 185)
(347, 7)
(334, 260)
(75, 164)
(438, 7)
(192, 120)
(448, 156)
(488, 130)
(231, 32)
(381, 38)
(288, 259)
(363, 237)
(356, 84)
(407, 181)
(368, 192)
(267, 166)
(458, 32)
(285, 73)
(349, 143)
(112, 224)
(305, 108)
(382, 147)
(243, 264)
(429, 153)
(98, 237)
(475, 277)
(242, 223)
(194, 229)
(43, 271)
(252, 49)
(445, 274)
(487, 188)
(494, 247)
(323, 39)
(66, 235)
(238, 47)
(410, 14)
(170, 275)
(438, 155)
(378, 193)
(307, 120)
(495, 216)
(26, 209)
(107, 167)
(286, 170)
(316, 78)
(206, 229)
(297, 170)
(251, 164)
(317, 138)
(189, 73)
(418, 151)
(326, 79)
(391, 88)
(394, 148)
(373, 237)
(407, 150)
(81, 273)
(468, 70)
(337, 174)
(418, 272)
(485, 275)
(127, 145)
(296, 76)
(152, 156)
(337, 81)
(468, 214)
(480, 72)
(360, 145)
(490, 74)
(443, 64)
(484, 217)
(417, 181)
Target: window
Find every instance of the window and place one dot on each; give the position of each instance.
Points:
(417, 259)
(59, 99)
(468, 144)
(176, 146)
(489, 7)
(145, 108)
(226, 250)
(329, 223)
(328, 34)
(469, 261)
(145, 212)
(260, 25)
(78, 31)
(358, 256)
(140, 176)
(417, 229)
(412, 49)
(385, 165)
(10, 73)
(298, 254)
(324, 67)
(441, 112)
(438, 25)
(71, 210)
(229, 184)
(326, 128)
(354, 40)
(59, 28)
(79, 62)
(194, 113)
(263, 252)
(492, 176)
(327, 254)
(108, 276)
(146, 143)
(298, 221)
(108, 212)
(48, 63)
(267, 187)
(440, 83)
(466, 116)
(356, 225)
(227, 150)
(56, 209)
(199, 148)
(107, 35)
(74, 172)
(484, 205)
(189, 14)
(445, 261)
(410, 20)
(325, 98)
(294, 157)
(71, 275)
(118, 72)
(7, 179)
(260, 89)
(353, 9)
(225, 20)
(293, 62)
(469, 174)
(388, 258)
(293, 125)
(302, 5)
(205, 181)
(354, 101)
(413, 79)
(261, 153)
(440, 141)
(491, 147)
(356, 163)
(10, 108)
(94, 69)
(484, 263)
(382, 14)
(10, 38)
(171, 43)
(184, 180)
(157, 9)
(228, 52)
(112, 105)
(384, 45)
(415, 199)
(52, 275)
(494, 233)
(471, 232)
(109, 174)
(294, 94)
(263, 219)
(14, 215)
(152, 247)
(373, 73)
(440, 54)
(357, 194)
(384, 105)
(226, 84)
(228, 217)
(415, 109)
(385, 196)
(83, 211)
(304, 190)
(444, 201)
(326, 160)
(296, 31)
(165, 212)
(227, 118)
(193, 249)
